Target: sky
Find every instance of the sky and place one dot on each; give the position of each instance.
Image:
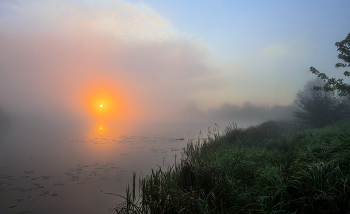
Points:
(148, 61)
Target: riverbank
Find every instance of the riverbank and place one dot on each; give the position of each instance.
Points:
(274, 167)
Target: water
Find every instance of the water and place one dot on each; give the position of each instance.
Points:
(68, 167)
(45, 168)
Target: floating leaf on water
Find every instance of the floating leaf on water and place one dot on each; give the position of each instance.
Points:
(30, 189)
(13, 206)
(105, 178)
(5, 176)
(74, 178)
(31, 199)
(45, 177)
(35, 178)
(24, 212)
(44, 193)
(17, 188)
(19, 200)
(29, 172)
(94, 173)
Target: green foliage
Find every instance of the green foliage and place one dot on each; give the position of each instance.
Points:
(320, 109)
(333, 84)
(273, 167)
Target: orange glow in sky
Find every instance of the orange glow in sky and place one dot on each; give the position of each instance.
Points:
(105, 102)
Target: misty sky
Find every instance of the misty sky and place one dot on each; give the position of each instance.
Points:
(152, 59)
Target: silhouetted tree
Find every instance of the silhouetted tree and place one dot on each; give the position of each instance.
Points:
(333, 84)
(320, 108)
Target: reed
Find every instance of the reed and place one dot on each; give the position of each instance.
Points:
(274, 167)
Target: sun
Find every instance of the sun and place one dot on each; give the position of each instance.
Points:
(101, 106)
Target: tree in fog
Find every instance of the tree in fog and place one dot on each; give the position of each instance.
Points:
(319, 108)
(4, 122)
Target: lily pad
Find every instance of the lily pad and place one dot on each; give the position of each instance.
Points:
(24, 212)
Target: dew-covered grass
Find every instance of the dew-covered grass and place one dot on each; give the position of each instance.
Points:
(274, 167)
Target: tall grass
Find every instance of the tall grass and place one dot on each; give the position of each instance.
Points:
(274, 167)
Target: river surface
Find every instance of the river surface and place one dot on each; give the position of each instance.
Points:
(49, 169)
(46, 168)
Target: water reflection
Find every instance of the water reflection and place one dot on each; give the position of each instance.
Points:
(48, 170)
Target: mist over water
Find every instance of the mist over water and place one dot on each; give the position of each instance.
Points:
(61, 151)
(49, 167)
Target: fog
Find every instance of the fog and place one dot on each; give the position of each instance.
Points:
(94, 91)
(57, 66)
(59, 61)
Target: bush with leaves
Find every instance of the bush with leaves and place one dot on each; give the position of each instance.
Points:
(321, 109)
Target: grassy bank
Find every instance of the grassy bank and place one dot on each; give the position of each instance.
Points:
(274, 167)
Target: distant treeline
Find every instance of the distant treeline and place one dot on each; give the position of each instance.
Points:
(4, 121)
(247, 112)
(315, 105)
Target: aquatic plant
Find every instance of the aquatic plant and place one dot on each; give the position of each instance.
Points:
(274, 167)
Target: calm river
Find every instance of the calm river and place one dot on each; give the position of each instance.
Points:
(49, 169)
